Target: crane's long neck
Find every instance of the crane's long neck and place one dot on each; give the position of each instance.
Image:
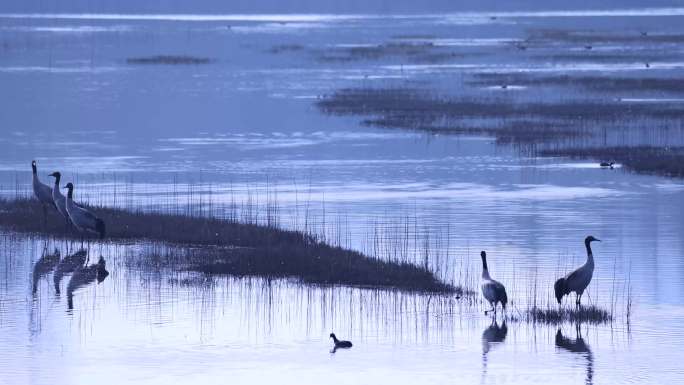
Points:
(70, 194)
(335, 339)
(57, 178)
(485, 270)
(590, 255)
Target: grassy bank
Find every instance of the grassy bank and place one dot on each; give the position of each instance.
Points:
(216, 246)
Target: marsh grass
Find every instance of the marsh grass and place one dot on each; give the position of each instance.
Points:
(169, 60)
(534, 127)
(667, 161)
(397, 49)
(421, 52)
(217, 246)
(585, 314)
(602, 84)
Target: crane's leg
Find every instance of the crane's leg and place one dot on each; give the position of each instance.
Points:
(490, 310)
(579, 300)
(44, 216)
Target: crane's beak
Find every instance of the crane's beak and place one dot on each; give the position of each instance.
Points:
(53, 174)
(596, 239)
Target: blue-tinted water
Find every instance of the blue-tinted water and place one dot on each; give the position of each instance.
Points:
(244, 128)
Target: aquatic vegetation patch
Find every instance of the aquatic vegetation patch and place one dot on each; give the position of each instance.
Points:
(584, 314)
(574, 36)
(535, 126)
(169, 60)
(409, 51)
(590, 82)
(668, 161)
(217, 246)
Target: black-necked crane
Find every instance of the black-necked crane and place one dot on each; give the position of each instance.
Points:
(493, 291)
(58, 198)
(42, 192)
(83, 220)
(340, 344)
(578, 280)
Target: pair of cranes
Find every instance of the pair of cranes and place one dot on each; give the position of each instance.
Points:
(81, 218)
(576, 281)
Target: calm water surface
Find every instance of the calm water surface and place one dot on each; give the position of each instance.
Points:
(244, 129)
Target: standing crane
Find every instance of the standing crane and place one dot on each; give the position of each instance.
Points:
(493, 291)
(579, 279)
(83, 220)
(42, 191)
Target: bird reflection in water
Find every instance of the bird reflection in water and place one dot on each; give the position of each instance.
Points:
(44, 266)
(492, 336)
(577, 346)
(85, 275)
(69, 264)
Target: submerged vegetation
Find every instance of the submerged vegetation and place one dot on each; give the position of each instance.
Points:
(217, 246)
(407, 49)
(168, 59)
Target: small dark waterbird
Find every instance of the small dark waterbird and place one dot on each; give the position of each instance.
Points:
(83, 220)
(578, 280)
(493, 291)
(607, 164)
(340, 344)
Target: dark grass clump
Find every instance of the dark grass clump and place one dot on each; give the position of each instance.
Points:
(508, 120)
(280, 48)
(531, 125)
(216, 246)
(411, 51)
(541, 36)
(667, 161)
(169, 60)
(414, 106)
(553, 316)
(603, 84)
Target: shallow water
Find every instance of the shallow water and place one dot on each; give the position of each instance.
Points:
(243, 129)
